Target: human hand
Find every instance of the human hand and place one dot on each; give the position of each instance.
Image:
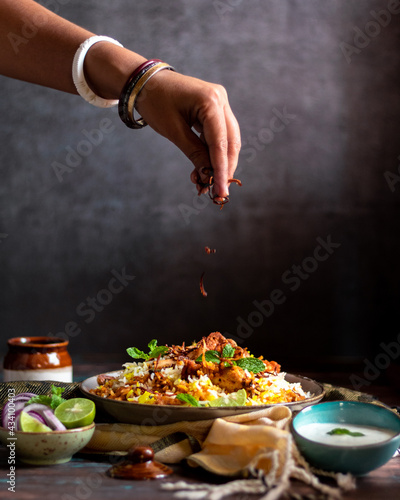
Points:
(176, 106)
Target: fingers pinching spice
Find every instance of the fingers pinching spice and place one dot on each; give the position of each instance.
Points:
(218, 200)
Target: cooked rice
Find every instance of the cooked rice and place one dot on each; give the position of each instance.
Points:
(149, 383)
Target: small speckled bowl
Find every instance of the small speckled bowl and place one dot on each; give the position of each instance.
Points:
(46, 448)
(356, 459)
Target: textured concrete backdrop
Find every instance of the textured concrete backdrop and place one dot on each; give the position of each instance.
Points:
(110, 251)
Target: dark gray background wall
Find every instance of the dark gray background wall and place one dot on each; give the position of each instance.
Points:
(318, 173)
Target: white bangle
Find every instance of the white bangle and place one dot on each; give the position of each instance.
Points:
(79, 77)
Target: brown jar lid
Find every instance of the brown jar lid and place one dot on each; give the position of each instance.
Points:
(140, 464)
(38, 342)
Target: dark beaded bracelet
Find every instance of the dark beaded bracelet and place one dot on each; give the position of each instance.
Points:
(132, 88)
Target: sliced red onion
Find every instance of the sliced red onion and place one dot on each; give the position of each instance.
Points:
(37, 415)
(52, 421)
(20, 405)
(10, 409)
(17, 427)
(41, 412)
(37, 407)
(45, 415)
(24, 396)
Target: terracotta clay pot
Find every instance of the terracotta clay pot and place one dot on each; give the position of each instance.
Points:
(37, 358)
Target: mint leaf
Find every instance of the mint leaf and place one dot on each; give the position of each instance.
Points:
(154, 351)
(136, 353)
(187, 398)
(210, 356)
(56, 398)
(152, 344)
(56, 401)
(228, 351)
(341, 431)
(254, 365)
(42, 399)
(53, 401)
(57, 391)
(158, 351)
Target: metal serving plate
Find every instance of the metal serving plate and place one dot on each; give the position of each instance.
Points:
(146, 414)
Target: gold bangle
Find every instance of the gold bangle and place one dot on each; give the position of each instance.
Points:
(141, 83)
(132, 91)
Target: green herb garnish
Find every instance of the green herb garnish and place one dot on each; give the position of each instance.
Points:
(154, 351)
(53, 401)
(340, 431)
(250, 363)
(254, 365)
(187, 398)
(228, 351)
(210, 356)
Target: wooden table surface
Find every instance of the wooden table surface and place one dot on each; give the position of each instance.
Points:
(85, 476)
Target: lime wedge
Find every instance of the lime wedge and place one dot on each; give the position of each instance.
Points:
(234, 399)
(28, 423)
(76, 412)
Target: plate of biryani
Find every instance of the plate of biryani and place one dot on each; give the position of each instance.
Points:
(208, 379)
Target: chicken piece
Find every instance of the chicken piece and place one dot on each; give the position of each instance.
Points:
(190, 367)
(272, 366)
(101, 379)
(216, 342)
(213, 342)
(164, 363)
(232, 379)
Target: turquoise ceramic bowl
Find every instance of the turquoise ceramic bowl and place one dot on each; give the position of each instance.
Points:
(335, 456)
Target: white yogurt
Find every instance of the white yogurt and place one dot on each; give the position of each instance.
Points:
(319, 433)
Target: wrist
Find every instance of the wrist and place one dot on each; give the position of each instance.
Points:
(107, 68)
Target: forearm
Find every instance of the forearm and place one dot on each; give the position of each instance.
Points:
(38, 46)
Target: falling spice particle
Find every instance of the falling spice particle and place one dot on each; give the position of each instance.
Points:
(221, 201)
(203, 292)
(237, 181)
